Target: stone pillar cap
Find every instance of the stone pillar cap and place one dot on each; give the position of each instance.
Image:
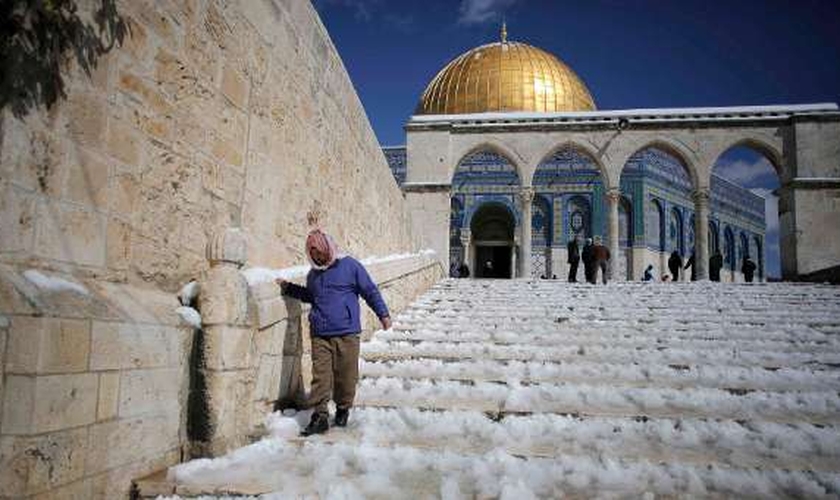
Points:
(228, 246)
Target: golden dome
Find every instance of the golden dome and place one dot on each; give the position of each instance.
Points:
(505, 76)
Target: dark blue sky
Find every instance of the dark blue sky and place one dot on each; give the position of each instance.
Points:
(631, 54)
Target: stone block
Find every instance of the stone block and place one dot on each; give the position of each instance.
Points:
(229, 395)
(151, 392)
(125, 189)
(80, 490)
(12, 299)
(271, 340)
(141, 305)
(18, 211)
(39, 345)
(235, 87)
(118, 241)
(70, 234)
(123, 142)
(120, 442)
(86, 118)
(269, 373)
(117, 346)
(40, 463)
(47, 403)
(227, 347)
(108, 401)
(87, 179)
(116, 482)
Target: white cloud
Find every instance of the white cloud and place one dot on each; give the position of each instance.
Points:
(482, 11)
(746, 173)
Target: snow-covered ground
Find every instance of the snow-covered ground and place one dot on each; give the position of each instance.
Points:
(515, 389)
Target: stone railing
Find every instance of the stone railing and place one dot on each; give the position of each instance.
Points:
(256, 342)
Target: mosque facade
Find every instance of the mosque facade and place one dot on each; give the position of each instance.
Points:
(564, 196)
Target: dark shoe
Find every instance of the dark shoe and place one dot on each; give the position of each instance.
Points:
(318, 425)
(341, 417)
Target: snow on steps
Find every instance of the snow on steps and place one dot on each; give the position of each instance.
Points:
(517, 389)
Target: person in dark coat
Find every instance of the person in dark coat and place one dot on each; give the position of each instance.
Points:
(601, 255)
(648, 276)
(748, 268)
(333, 287)
(588, 261)
(574, 259)
(690, 264)
(715, 265)
(674, 265)
(464, 270)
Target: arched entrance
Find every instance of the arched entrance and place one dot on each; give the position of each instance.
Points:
(492, 227)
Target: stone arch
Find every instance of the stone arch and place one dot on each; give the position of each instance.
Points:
(714, 237)
(655, 224)
(673, 148)
(490, 146)
(490, 199)
(676, 231)
(729, 257)
(758, 144)
(583, 149)
(578, 206)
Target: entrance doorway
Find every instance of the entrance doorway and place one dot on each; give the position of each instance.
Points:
(493, 261)
(492, 229)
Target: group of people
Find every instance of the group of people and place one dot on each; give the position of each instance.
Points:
(595, 257)
(675, 264)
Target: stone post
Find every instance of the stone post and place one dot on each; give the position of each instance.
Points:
(613, 198)
(701, 233)
(225, 352)
(526, 198)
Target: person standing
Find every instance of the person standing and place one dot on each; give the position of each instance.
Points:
(574, 258)
(333, 287)
(715, 265)
(690, 264)
(588, 261)
(601, 255)
(674, 265)
(748, 268)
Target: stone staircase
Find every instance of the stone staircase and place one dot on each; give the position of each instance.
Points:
(522, 389)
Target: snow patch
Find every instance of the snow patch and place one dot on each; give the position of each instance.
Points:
(53, 283)
(188, 293)
(258, 275)
(190, 316)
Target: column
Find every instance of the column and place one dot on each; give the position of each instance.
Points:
(466, 236)
(526, 198)
(613, 198)
(701, 233)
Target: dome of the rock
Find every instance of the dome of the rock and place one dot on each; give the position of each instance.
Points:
(504, 77)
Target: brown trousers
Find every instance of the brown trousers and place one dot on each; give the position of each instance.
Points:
(335, 370)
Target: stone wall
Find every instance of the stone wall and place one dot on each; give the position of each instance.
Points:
(211, 115)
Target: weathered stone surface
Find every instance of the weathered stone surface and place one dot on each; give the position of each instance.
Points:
(124, 441)
(35, 404)
(151, 392)
(272, 339)
(224, 297)
(140, 305)
(108, 399)
(71, 234)
(17, 219)
(132, 345)
(36, 464)
(40, 345)
(227, 347)
(87, 179)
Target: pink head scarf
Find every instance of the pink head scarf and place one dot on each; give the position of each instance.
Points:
(324, 244)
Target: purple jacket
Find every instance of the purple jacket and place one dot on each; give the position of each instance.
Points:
(334, 295)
